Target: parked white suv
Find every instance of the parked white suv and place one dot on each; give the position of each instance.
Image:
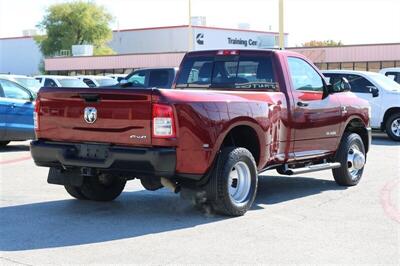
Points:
(381, 92)
(392, 73)
(98, 81)
(117, 77)
(27, 82)
(60, 81)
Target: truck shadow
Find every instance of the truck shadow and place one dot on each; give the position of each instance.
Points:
(383, 140)
(277, 189)
(14, 148)
(71, 222)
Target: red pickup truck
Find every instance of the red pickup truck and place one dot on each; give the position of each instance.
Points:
(231, 115)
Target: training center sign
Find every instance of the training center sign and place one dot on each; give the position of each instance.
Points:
(205, 39)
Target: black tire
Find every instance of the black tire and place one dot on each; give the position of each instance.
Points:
(219, 183)
(151, 183)
(4, 143)
(75, 192)
(388, 126)
(342, 175)
(281, 170)
(95, 189)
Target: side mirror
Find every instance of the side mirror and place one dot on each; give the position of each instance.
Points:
(374, 91)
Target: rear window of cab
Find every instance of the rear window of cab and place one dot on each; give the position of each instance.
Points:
(228, 71)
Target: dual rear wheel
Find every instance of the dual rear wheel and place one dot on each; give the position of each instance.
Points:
(97, 188)
(232, 187)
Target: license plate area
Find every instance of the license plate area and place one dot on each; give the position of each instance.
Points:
(93, 151)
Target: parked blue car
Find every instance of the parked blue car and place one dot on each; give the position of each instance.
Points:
(16, 112)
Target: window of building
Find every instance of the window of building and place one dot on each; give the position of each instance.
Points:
(321, 66)
(347, 66)
(119, 71)
(360, 66)
(334, 66)
(387, 64)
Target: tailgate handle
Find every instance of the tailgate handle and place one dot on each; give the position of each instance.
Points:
(90, 97)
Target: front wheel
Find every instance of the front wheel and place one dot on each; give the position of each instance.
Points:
(351, 156)
(234, 183)
(393, 127)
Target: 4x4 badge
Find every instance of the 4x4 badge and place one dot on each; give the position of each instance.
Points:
(90, 115)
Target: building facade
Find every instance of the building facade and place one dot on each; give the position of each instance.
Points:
(22, 55)
(19, 55)
(368, 57)
(166, 46)
(353, 57)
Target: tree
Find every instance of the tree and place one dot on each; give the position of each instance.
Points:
(314, 43)
(73, 23)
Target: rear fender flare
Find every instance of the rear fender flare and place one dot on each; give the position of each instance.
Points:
(242, 121)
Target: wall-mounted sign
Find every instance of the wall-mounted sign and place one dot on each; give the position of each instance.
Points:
(205, 39)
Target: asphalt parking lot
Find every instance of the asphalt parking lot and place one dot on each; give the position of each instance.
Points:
(306, 219)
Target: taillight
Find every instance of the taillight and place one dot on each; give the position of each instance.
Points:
(228, 52)
(36, 114)
(163, 121)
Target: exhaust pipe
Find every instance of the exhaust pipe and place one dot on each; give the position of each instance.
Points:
(170, 185)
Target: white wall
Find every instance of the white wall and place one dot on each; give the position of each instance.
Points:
(19, 56)
(150, 41)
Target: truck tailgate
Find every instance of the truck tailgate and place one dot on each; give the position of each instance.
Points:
(116, 116)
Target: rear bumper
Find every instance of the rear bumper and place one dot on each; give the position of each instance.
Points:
(106, 158)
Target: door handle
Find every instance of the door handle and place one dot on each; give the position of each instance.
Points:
(13, 105)
(302, 104)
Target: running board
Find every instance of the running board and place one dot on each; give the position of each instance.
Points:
(311, 168)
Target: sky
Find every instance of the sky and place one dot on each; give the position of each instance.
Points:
(350, 21)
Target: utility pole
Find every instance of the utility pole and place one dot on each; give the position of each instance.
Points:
(281, 30)
(190, 30)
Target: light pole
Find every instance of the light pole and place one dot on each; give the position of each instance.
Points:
(190, 30)
(281, 31)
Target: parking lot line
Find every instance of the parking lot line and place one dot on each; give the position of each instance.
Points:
(20, 159)
(386, 200)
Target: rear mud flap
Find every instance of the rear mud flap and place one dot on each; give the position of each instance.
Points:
(61, 177)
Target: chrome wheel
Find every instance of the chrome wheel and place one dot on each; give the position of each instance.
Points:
(395, 127)
(355, 161)
(239, 183)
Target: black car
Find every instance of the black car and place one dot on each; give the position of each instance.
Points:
(150, 78)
